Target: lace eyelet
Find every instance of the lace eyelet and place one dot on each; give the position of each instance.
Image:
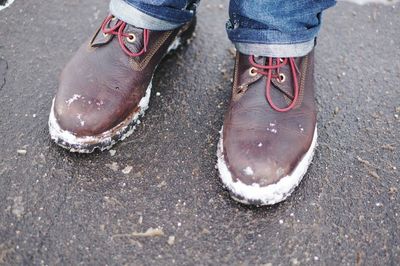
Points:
(131, 38)
(281, 78)
(253, 72)
(105, 35)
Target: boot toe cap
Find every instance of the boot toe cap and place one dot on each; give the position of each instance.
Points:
(86, 116)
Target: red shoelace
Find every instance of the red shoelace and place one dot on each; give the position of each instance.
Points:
(271, 70)
(118, 30)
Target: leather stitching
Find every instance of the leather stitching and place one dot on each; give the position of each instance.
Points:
(139, 66)
(245, 86)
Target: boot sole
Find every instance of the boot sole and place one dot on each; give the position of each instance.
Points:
(109, 138)
(266, 195)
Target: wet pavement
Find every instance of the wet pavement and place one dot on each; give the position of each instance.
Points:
(156, 198)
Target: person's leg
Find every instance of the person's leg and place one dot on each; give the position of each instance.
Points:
(277, 28)
(269, 133)
(106, 86)
(154, 14)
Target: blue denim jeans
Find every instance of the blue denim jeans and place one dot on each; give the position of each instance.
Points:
(276, 28)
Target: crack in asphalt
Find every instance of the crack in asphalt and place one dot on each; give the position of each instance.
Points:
(3, 72)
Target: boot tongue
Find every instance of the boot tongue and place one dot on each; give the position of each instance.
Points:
(286, 87)
(135, 46)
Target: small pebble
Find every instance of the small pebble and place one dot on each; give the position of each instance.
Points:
(21, 152)
(336, 111)
(127, 169)
(171, 240)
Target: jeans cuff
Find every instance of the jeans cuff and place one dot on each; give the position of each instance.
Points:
(131, 15)
(276, 50)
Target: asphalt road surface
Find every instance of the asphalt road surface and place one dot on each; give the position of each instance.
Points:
(156, 198)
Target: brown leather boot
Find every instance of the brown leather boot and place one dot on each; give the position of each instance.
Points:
(106, 86)
(269, 133)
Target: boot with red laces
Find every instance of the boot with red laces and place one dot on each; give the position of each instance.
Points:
(106, 86)
(269, 134)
